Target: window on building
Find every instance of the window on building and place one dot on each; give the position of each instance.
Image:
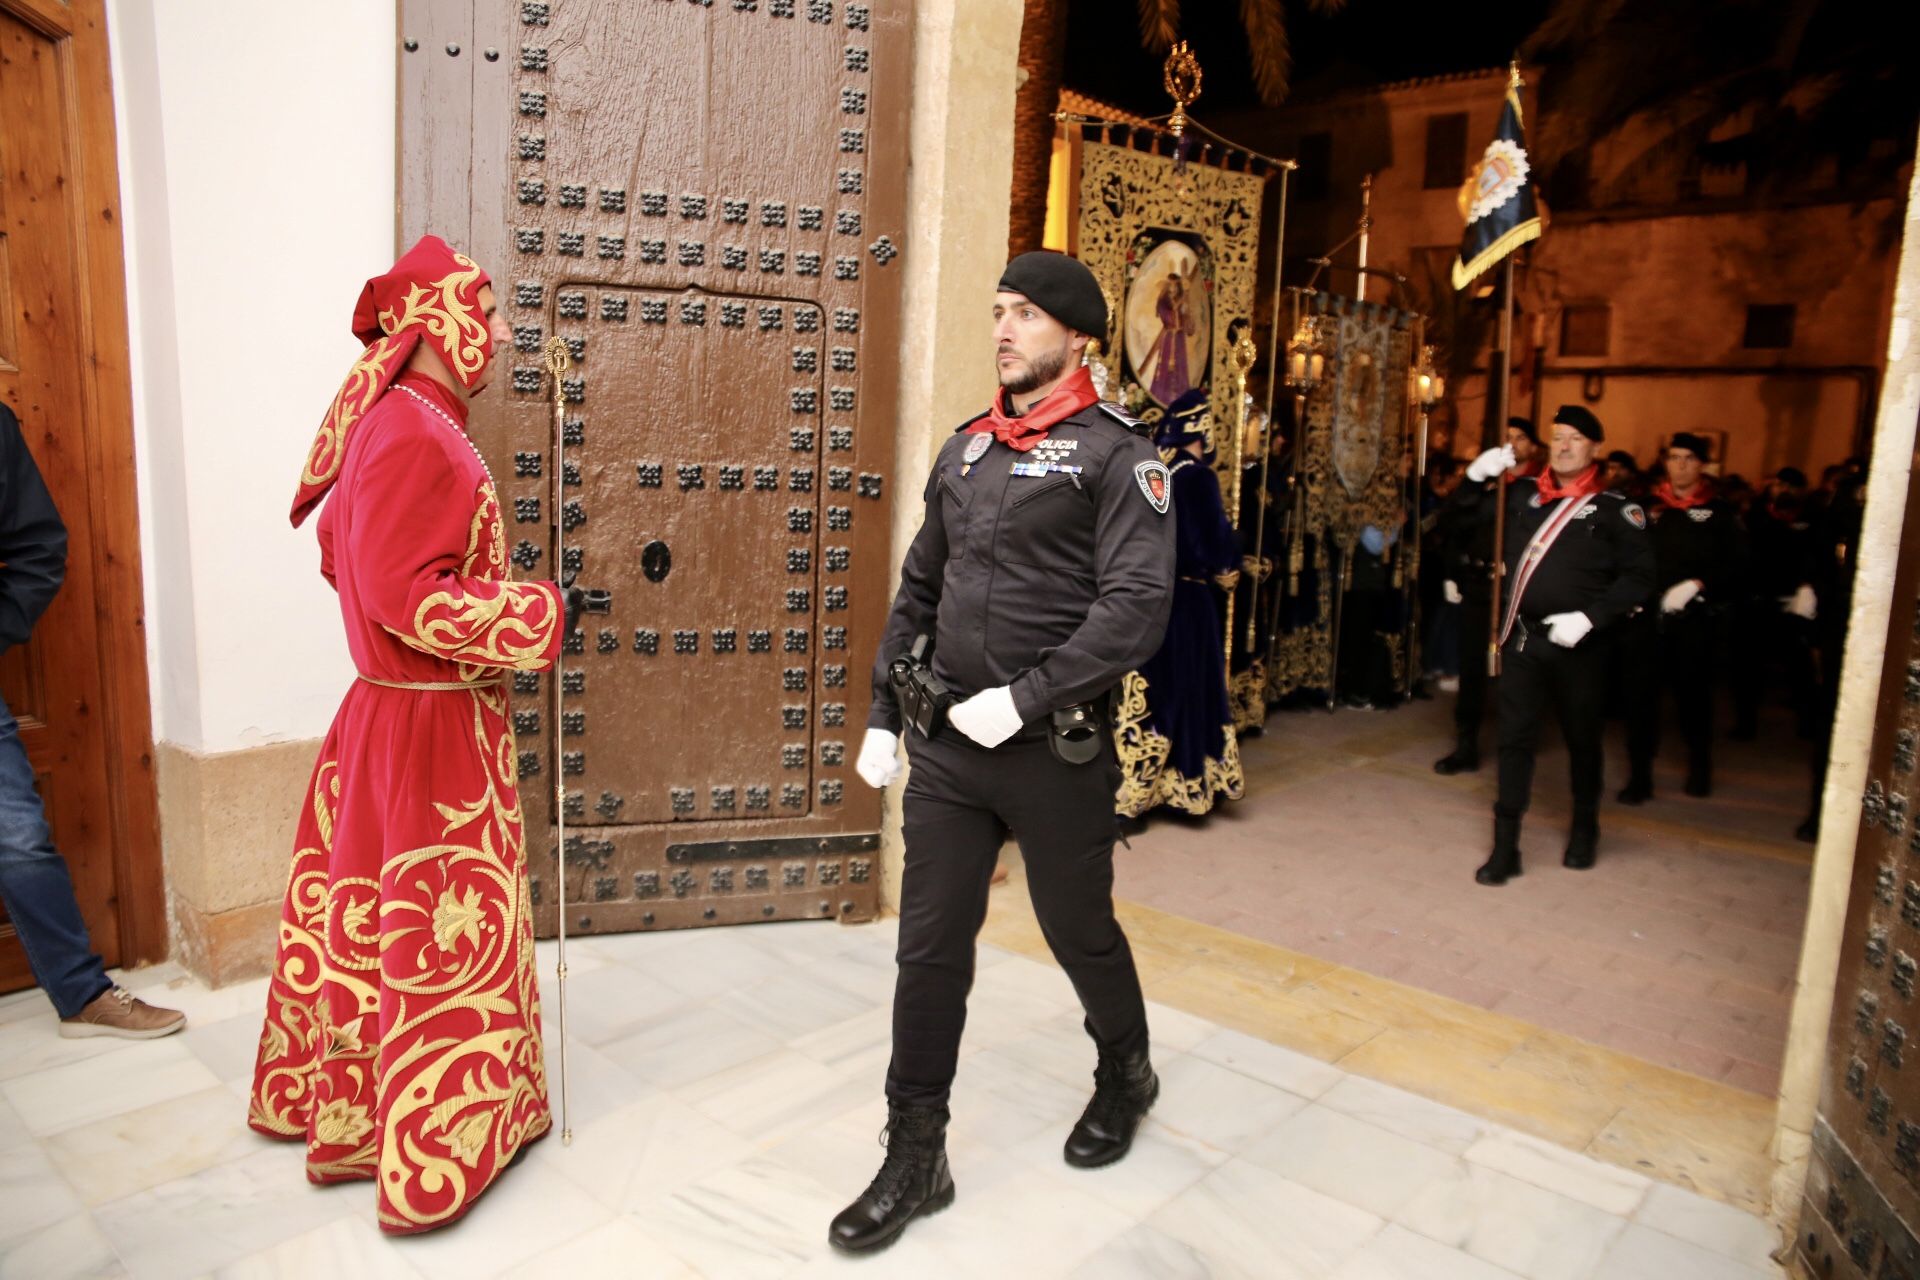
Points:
(1314, 179)
(1769, 326)
(1584, 329)
(1447, 150)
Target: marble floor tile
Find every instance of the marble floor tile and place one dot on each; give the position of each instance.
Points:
(69, 1249)
(617, 1248)
(197, 1224)
(1044, 981)
(753, 1219)
(208, 1004)
(32, 1043)
(1161, 1165)
(227, 1047)
(1174, 1029)
(350, 1246)
(770, 1098)
(1407, 1114)
(1513, 1224)
(596, 1085)
(13, 1130)
(530, 1208)
(1294, 1232)
(1641, 1253)
(637, 1155)
(1709, 1224)
(706, 965)
(1281, 1068)
(1578, 1177)
(23, 1004)
(130, 1077)
(1059, 1047)
(1221, 1108)
(689, 1044)
(1145, 1254)
(853, 1045)
(793, 1003)
(1000, 1102)
(1349, 1159)
(135, 1150)
(1399, 1254)
(611, 1003)
(1040, 1226)
(33, 1195)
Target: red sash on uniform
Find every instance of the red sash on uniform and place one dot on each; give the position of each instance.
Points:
(1574, 498)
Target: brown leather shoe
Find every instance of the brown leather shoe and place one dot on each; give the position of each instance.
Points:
(118, 1012)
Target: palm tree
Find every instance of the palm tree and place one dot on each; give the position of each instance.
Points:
(1042, 55)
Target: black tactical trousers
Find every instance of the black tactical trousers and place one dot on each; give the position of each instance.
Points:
(1669, 650)
(960, 801)
(1535, 672)
(1470, 706)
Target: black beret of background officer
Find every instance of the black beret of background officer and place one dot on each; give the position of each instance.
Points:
(1042, 573)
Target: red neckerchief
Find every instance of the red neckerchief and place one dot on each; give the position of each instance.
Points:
(1030, 428)
(1551, 490)
(1525, 471)
(421, 385)
(1701, 495)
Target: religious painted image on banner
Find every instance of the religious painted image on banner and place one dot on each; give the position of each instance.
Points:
(1169, 315)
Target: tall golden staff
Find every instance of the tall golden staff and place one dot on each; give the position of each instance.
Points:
(559, 360)
(1240, 360)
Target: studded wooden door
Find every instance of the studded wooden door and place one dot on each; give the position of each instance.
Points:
(1860, 1213)
(705, 200)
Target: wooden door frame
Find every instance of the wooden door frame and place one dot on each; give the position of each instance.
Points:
(78, 29)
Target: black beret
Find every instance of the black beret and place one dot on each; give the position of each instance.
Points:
(1062, 287)
(1581, 419)
(1693, 444)
(1525, 427)
(1624, 458)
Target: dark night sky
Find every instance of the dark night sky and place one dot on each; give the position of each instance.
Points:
(1368, 42)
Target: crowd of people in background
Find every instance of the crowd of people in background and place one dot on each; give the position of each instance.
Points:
(1752, 608)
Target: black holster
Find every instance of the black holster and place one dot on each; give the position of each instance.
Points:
(922, 696)
(1074, 732)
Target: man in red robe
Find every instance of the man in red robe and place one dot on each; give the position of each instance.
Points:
(402, 1038)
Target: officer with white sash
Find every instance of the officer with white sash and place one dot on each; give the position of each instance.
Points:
(1578, 562)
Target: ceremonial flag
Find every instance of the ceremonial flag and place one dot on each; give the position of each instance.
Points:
(1496, 200)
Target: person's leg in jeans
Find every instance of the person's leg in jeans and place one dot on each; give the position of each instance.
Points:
(38, 891)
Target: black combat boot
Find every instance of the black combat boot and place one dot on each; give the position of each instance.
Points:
(1639, 789)
(1464, 758)
(1124, 1090)
(1582, 846)
(1505, 862)
(913, 1180)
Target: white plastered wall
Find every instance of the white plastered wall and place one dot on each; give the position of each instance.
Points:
(257, 176)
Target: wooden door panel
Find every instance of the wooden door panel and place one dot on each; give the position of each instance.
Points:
(707, 202)
(52, 683)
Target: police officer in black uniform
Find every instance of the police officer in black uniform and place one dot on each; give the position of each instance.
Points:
(1467, 561)
(1700, 553)
(1042, 573)
(1578, 562)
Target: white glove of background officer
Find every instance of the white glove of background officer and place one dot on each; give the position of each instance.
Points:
(877, 765)
(1450, 591)
(987, 717)
(1802, 603)
(1679, 595)
(1491, 463)
(1567, 629)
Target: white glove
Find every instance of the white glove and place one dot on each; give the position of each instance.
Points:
(1568, 629)
(987, 717)
(1450, 591)
(877, 765)
(1802, 603)
(1491, 463)
(1679, 595)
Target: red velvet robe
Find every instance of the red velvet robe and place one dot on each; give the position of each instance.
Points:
(402, 1038)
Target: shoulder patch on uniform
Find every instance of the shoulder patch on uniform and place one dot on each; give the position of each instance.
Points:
(977, 448)
(1699, 515)
(1635, 515)
(1156, 482)
(1121, 416)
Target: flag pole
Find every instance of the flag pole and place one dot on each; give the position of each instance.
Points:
(1500, 482)
(559, 360)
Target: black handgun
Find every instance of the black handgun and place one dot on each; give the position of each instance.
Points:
(923, 698)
